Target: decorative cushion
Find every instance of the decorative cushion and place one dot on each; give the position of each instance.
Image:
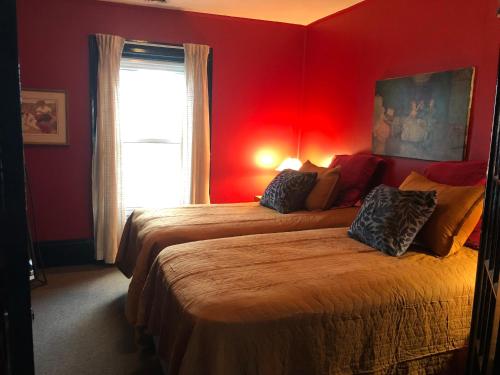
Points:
(358, 172)
(474, 240)
(457, 213)
(460, 173)
(288, 191)
(389, 219)
(326, 189)
(457, 173)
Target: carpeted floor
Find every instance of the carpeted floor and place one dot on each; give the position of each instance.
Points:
(80, 328)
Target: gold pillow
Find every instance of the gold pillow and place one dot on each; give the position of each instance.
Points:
(457, 212)
(326, 189)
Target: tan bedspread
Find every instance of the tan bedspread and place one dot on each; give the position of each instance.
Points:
(310, 302)
(147, 232)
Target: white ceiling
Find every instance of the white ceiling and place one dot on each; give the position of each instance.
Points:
(301, 12)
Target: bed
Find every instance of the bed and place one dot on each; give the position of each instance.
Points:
(308, 302)
(147, 232)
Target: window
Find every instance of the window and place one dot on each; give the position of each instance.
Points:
(152, 112)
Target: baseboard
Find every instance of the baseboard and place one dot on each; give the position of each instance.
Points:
(66, 252)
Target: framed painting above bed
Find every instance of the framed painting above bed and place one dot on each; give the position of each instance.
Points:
(424, 116)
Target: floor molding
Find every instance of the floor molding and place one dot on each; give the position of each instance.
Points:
(66, 252)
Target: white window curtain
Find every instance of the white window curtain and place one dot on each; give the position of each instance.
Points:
(196, 135)
(106, 175)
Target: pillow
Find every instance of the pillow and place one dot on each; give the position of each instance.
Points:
(474, 240)
(288, 191)
(457, 173)
(389, 219)
(475, 237)
(457, 213)
(460, 173)
(357, 174)
(326, 189)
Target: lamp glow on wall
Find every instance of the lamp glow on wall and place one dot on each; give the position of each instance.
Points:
(327, 161)
(266, 158)
(290, 163)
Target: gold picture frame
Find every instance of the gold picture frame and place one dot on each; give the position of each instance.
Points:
(43, 115)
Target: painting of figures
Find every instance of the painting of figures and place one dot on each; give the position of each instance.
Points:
(44, 117)
(425, 116)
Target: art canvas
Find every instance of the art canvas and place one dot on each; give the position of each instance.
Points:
(44, 117)
(425, 116)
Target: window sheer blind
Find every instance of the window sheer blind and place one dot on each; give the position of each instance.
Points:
(153, 116)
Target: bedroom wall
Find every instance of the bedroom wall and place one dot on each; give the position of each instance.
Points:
(259, 70)
(347, 52)
(257, 77)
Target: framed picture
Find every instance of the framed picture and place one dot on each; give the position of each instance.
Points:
(44, 117)
(425, 116)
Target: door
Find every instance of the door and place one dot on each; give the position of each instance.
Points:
(16, 342)
(484, 344)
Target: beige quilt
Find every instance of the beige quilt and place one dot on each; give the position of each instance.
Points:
(147, 232)
(309, 302)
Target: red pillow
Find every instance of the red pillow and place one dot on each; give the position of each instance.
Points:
(460, 173)
(474, 240)
(356, 176)
(457, 173)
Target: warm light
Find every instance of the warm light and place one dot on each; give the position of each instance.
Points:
(290, 163)
(326, 161)
(266, 158)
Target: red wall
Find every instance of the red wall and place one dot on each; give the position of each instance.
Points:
(257, 78)
(347, 52)
(265, 86)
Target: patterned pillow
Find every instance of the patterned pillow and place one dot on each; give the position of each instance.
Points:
(389, 218)
(288, 191)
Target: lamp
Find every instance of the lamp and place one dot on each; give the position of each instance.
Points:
(290, 163)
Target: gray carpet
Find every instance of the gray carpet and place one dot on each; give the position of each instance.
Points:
(80, 327)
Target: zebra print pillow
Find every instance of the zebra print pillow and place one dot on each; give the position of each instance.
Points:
(389, 218)
(288, 191)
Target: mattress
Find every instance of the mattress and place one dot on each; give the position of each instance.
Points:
(309, 302)
(147, 232)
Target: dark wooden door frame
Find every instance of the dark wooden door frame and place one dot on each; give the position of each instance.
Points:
(484, 343)
(14, 280)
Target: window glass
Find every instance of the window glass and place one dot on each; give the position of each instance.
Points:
(152, 109)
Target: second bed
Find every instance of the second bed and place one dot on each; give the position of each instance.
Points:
(309, 302)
